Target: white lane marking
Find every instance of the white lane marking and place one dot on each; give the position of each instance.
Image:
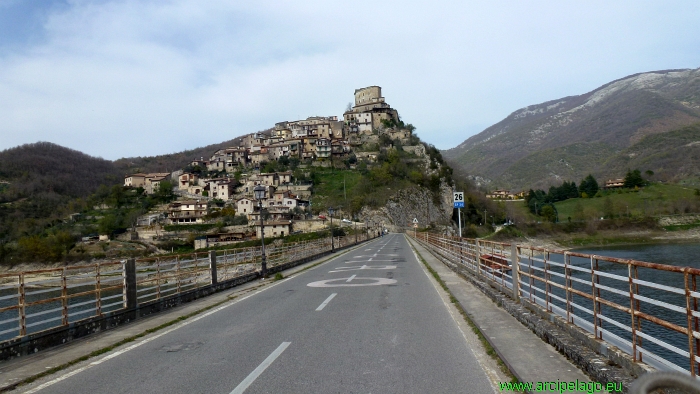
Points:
(370, 260)
(144, 341)
(374, 282)
(324, 303)
(351, 278)
(364, 267)
(260, 369)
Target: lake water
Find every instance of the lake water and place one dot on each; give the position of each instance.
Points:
(681, 255)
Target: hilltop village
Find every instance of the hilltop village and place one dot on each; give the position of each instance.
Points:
(229, 175)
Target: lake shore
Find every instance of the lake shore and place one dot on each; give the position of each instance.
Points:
(610, 237)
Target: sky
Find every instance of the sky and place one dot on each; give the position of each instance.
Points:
(140, 78)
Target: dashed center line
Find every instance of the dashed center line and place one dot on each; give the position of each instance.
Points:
(351, 278)
(260, 369)
(324, 303)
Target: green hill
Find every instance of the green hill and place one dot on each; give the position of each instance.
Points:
(653, 200)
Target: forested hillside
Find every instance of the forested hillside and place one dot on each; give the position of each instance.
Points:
(42, 184)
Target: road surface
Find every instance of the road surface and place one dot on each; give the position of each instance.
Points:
(368, 321)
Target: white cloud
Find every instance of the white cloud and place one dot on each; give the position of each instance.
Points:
(128, 78)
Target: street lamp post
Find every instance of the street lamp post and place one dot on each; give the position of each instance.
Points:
(330, 213)
(259, 195)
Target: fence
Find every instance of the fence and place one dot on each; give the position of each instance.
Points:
(33, 301)
(649, 311)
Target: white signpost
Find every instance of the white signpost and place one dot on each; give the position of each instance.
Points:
(458, 198)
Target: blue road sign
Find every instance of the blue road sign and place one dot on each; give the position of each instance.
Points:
(458, 198)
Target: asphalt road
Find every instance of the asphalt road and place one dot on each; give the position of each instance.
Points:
(369, 321)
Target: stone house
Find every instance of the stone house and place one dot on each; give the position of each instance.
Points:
(274, 228)
(323, 148)
(222, 188)
(187, 211)
(614, 183)
(135, 180)
(246, 206)
(186, 179)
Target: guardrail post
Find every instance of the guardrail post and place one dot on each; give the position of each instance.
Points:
(689, 316)
(212, 266)
(64, 298)
(21, 309)
(129, 276)
(515, 277)
(477, 251)
(98, 291)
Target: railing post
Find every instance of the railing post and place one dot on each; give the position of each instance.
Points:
(64, 298)
(477, 251)
(515, 277)
(157, 278)
(695, 309)
(689, 317)
(632, 310)
(177, 273)
(568, 283)
(595, 293)
(129, 277)
(547, 276)
(21, 309)
(212, 267)
(98, 290)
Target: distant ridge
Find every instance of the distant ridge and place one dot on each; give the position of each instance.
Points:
(602, 132)
(170, 162)
(44, 167)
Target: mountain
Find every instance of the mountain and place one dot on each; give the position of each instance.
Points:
(603, 132)
(39, 185)
(47, 168)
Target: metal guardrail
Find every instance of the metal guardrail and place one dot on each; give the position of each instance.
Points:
(649, 311)
(33, 301)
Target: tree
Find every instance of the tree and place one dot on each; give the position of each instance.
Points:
(108, 224)
(589, 186)
(164, 193)
(549, 213)
(633, 179)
